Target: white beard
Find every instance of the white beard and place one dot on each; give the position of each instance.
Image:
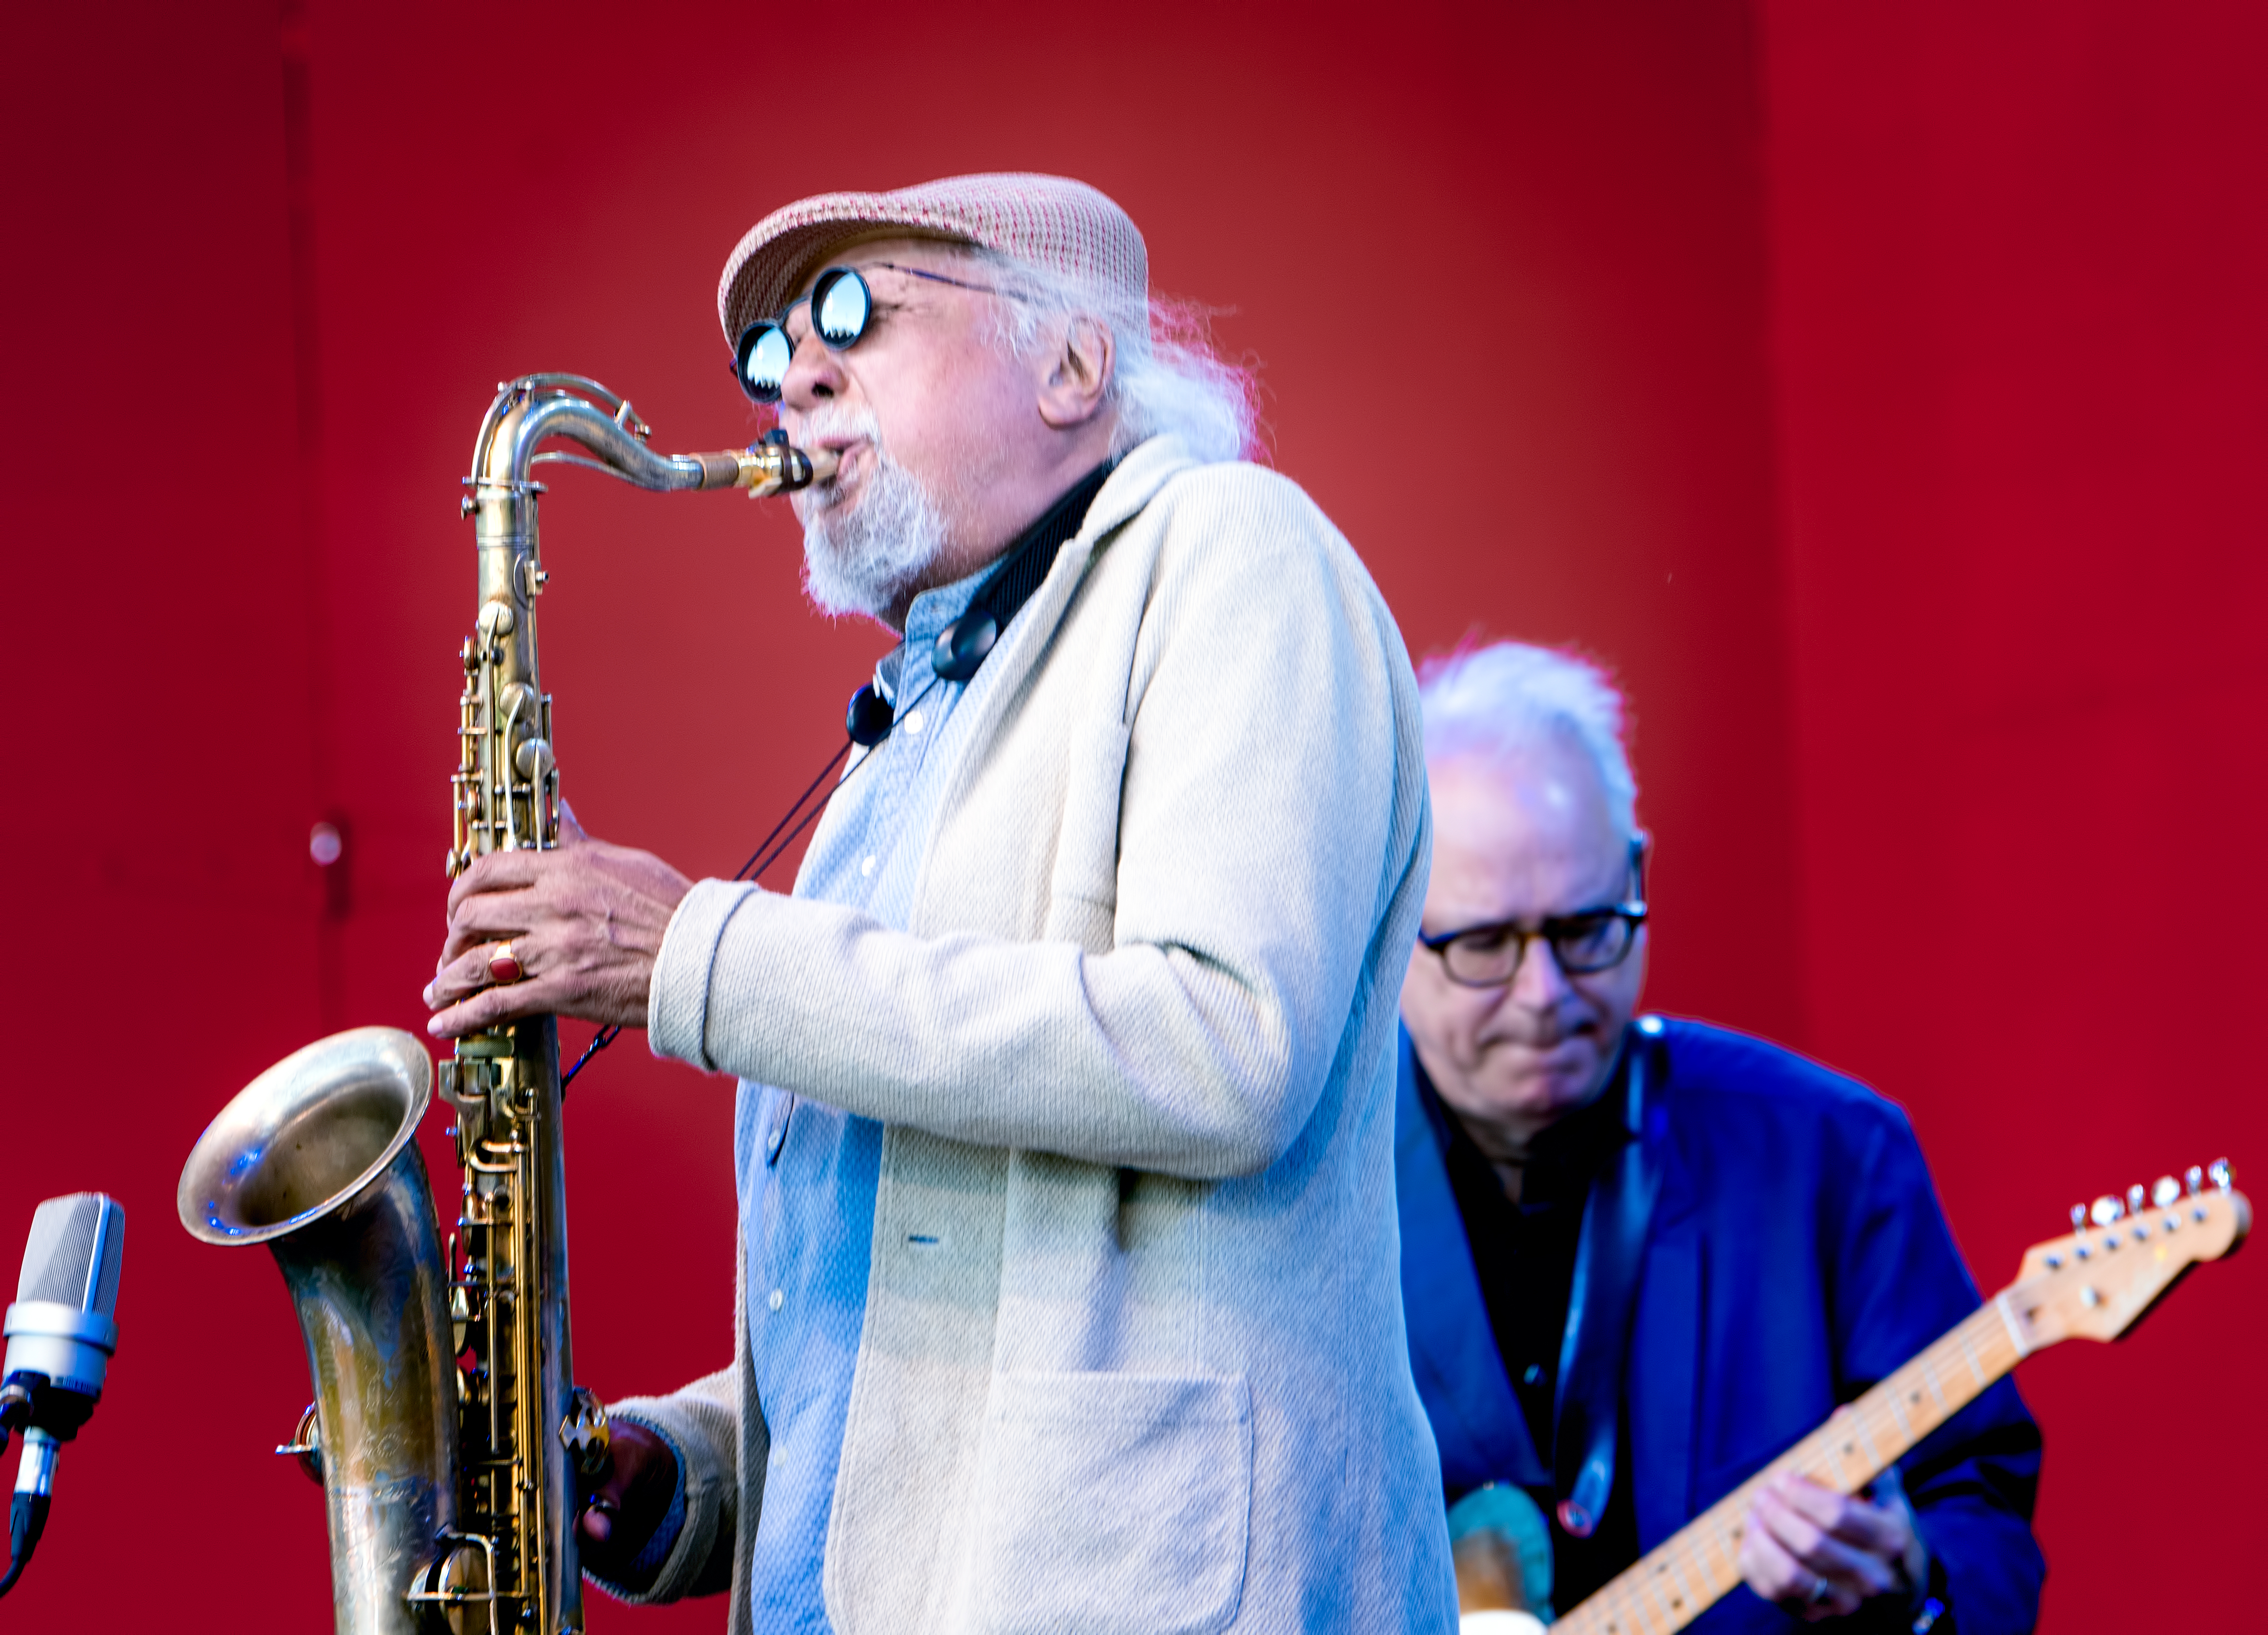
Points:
(861, 552)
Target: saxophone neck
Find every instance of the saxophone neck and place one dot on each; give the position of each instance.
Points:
(538, 409)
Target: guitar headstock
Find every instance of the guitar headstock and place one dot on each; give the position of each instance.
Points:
(2123, 1254)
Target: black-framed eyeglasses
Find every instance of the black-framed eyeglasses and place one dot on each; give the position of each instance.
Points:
(1583, 944)
(841, 305)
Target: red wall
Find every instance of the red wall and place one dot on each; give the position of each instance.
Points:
(1527, 282)
(2019, 343)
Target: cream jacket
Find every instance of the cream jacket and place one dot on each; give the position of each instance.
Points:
(1133, 1357)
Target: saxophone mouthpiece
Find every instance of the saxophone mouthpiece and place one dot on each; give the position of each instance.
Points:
(776, 467)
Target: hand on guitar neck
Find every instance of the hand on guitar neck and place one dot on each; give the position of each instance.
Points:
(1826, 1527)
(1818, 1553)
(1821, 1554)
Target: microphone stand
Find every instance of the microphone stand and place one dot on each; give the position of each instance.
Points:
(27, 1510)
(48, 1415)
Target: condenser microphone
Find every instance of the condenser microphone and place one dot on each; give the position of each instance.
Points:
(61, 1332)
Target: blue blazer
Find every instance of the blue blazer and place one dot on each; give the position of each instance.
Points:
(1796, 1255)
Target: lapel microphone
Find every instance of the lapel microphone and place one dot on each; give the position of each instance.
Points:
(62, 1331)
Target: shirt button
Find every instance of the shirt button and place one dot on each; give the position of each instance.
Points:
(867, 867)
(913, 720)
(776, 1300)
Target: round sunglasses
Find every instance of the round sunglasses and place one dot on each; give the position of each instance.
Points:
(841, 307)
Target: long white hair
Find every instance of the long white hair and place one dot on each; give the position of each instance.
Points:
(1167, 377)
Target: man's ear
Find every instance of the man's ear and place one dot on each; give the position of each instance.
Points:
(1077, 381)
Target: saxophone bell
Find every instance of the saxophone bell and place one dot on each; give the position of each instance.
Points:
(317, 1159)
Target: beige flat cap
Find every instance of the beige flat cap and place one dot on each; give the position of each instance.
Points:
(1049, 221)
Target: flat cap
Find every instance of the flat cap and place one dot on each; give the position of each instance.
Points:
(1052, 222)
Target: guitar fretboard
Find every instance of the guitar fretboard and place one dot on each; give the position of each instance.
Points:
(1682, 1578)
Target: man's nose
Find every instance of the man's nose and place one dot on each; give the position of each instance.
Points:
(815, 375)
(1539, 984)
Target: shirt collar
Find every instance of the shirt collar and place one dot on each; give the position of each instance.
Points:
(931, 611)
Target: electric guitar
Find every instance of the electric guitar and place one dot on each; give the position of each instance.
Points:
(2119, 1261)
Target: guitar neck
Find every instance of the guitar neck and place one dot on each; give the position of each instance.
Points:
(1682, 1579)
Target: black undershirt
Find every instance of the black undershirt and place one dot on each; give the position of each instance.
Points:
(1525, 1254)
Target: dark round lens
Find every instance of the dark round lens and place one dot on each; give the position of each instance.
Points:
(1483, 957)
(765, 354)
(840, 305)
(1591, 943)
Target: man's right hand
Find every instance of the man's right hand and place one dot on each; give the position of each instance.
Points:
(624, 1506)
(584, 921)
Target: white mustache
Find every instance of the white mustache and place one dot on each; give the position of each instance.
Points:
(837, 421)
(864, 545)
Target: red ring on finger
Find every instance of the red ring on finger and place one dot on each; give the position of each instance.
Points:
(504, 967)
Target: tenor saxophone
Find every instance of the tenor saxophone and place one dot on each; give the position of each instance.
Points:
(446, 1428)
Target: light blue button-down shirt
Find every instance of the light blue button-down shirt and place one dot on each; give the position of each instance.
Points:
(808, 1172)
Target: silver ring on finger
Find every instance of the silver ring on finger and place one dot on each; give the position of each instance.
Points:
(1820, 1589)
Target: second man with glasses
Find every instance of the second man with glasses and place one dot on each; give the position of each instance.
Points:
(1640, 1257)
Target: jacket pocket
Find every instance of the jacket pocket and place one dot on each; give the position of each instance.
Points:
(1113, 1505)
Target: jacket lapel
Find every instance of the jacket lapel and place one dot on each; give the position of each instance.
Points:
(1663, 1382)
(1460, 1379)
(1131, 487)
(1665, 1341)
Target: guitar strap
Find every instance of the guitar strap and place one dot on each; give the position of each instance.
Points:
(1603, 1299)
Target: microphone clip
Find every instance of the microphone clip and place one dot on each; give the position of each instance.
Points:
(29, 1400)
(15, 1406)
(16, 1403)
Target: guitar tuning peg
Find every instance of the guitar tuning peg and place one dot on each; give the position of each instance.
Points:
(2078, 1217)
(2107, 1211)
(2165, 1191)
(2195, 1178)
(2221, 1174)
(2135, 1197)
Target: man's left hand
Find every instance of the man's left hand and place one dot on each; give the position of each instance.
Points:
(1819, 1553)
(584, 922)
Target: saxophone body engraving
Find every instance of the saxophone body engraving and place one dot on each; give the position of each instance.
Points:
(447, 1431)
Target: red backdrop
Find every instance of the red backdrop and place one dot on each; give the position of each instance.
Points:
(1871, 392)
(2019, 345)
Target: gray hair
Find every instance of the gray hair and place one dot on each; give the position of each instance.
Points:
(1499, 700)
(1167, 378)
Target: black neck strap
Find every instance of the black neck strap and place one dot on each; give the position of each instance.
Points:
(1609, 1260)
(963, 645)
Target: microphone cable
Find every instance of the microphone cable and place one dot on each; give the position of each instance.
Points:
(771, 848)
(27, 1519)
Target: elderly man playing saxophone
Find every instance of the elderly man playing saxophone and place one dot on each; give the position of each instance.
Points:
(1069, 1284)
